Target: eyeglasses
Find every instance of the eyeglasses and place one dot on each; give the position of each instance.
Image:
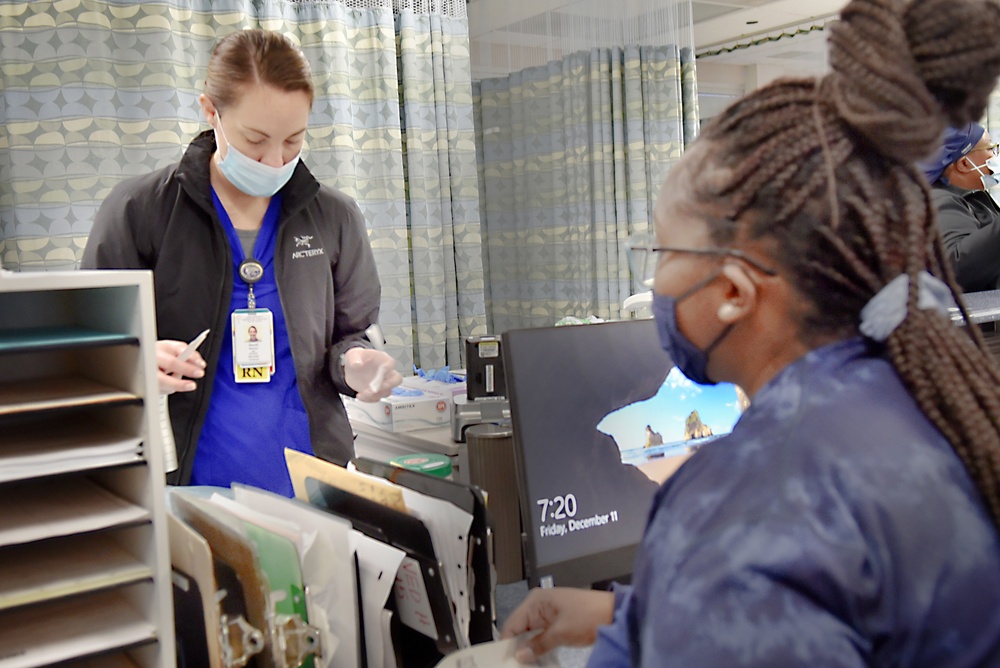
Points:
(992, 148)
(644, 258)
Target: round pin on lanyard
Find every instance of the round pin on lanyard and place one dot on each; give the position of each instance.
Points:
(251, 271)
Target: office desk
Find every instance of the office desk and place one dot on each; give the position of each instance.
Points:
(984, 306)
(984, 310)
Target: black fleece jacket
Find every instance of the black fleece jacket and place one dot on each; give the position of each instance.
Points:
(969, 222)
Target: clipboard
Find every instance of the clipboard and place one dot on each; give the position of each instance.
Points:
(410, 535)
(482, 620)
(197, 619)
(239, 641)
(329, 570)
(297, 641)
(238, 573)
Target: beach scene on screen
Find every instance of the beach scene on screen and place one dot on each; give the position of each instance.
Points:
(677, 420)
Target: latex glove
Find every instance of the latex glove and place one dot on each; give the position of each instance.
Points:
(370, 373)
(562, 616)
(173, 374)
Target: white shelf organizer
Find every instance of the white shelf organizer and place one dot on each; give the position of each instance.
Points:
(84, 560)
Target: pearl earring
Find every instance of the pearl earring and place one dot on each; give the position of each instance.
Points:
(727, 311)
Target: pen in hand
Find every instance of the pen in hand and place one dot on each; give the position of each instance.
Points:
(377, 380)
(191, 347)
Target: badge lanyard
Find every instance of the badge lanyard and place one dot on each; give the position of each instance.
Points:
(252, 327)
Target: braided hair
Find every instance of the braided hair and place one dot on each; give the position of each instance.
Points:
(822, 174)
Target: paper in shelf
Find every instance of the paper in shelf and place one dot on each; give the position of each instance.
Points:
(41, 572)
(56, 338)
(107, 661)
(59, 446)
(60, 507)
(80, 626)
(49, 393)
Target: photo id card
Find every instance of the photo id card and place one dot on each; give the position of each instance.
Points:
(253, 345)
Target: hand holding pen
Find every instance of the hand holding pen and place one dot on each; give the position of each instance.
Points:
(178, 361)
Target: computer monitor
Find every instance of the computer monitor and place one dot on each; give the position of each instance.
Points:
(600, 419)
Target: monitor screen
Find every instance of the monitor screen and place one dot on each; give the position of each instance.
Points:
(601, 418)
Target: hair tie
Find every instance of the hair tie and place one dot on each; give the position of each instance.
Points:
(887, 309)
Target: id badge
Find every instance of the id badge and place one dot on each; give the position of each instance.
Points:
(253, 345)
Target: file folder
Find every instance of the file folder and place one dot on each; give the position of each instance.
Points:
(482, 574)
(410, 535)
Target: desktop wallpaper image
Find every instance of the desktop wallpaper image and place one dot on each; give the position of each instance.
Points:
(669, 416)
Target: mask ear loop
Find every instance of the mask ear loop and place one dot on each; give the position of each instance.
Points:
(978, 168)
(695, 288)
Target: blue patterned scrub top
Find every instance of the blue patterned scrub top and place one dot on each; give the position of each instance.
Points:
(835, 526)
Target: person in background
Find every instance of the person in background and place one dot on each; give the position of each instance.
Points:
(851, 517)
(968, 216)
(240, 234)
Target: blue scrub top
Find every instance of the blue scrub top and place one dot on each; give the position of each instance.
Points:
(249, 425)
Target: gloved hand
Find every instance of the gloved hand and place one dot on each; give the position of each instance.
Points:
(370, 373)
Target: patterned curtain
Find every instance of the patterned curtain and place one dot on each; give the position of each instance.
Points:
(442, 203)
(93, 91)
(572, 157)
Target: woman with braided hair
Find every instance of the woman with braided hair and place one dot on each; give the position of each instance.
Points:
(851, 518)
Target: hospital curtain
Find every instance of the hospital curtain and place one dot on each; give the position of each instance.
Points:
(572, 156)
(94, 91)
(442, 199)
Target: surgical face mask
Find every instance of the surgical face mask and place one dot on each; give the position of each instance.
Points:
(692, 362)
(252, 177)
(993, 164)
(991, 182)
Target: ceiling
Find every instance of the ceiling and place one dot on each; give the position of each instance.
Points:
(719, 23)
(508, 35)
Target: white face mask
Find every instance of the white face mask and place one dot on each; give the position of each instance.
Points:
(994, 164)
(252, 177)
(991, 182)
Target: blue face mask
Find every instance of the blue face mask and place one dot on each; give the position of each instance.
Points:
(692, 362)
(252, 177)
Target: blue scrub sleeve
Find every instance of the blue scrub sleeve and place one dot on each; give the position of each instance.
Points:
(611, 647)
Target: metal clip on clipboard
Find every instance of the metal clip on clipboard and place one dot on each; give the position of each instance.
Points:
(296, 639)
(239, 640)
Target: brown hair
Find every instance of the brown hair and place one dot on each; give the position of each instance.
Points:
(821, 173)
(247, 57)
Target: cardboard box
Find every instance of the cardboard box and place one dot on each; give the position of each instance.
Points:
(451, 390)
(403, 413)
